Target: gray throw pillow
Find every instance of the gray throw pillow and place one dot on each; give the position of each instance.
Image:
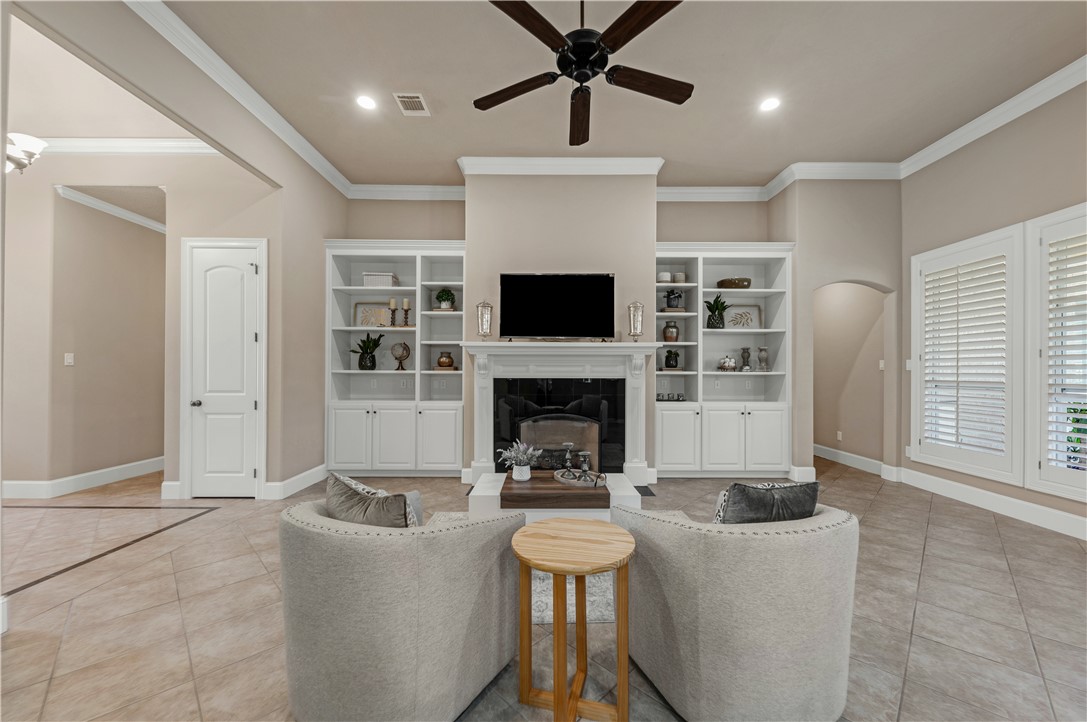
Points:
(769, 501)
(352, 501)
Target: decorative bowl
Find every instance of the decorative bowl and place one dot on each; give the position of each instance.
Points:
(734, 283)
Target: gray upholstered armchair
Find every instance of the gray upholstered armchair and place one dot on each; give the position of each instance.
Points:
(743, 621)
(395, 624)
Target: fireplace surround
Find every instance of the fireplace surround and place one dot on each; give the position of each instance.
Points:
(560, 360)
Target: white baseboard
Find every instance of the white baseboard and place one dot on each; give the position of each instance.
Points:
(171, 490)
(3, 614)
(1052, 519)
(890, 473)
(283, 489)
(662, 474)
(79, 482)
(844, 457)
(802, 473)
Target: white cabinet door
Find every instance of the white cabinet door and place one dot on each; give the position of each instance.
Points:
(767, 437)
(440, 436)
(349, 437)
(679, 437)
(723, 437)
(393, 439)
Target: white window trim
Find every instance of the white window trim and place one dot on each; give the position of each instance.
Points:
(1037, 294)
(1007, 241)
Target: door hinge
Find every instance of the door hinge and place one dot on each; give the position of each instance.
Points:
(256, 337)
(256, 269)
(254, 473)
(254, 406)
(1039, 464)
(1039, 353)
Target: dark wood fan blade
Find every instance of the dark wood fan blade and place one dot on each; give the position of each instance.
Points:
(633, 21)
(501, 96)
(579, 115)
(530, 19)
(674, 91)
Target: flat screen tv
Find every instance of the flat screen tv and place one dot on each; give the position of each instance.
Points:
(556, 305)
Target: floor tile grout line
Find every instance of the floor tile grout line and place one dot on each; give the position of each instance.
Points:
(913, 623)
(105, 553)
(950, 696)
(56, 656)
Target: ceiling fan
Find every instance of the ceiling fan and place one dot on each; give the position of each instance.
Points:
(583, 54)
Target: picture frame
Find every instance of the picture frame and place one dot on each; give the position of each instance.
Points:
(369, 313)
(743, 317)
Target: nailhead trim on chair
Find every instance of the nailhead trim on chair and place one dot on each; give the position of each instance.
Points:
(703, 527)
(411, 531)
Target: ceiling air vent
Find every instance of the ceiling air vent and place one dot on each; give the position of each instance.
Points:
(411, 103)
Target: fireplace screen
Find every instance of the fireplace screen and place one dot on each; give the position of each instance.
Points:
(550, 431)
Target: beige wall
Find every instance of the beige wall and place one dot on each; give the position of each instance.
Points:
(591, 224)
(1032, 166)
(846, 231)
(406, 220)
(848, 388)
(108, 306)
(711, 222)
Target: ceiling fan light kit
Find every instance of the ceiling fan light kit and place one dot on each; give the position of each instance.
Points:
(583, 54)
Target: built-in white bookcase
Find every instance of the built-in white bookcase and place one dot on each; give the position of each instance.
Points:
(381, 419)
(753, 406)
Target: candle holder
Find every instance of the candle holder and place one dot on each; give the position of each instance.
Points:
(392, 316)
(407, 312)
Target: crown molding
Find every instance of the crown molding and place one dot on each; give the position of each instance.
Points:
(359, 244)
(559, 166)
(829, 171)
(100, 205)
(1037, 95)
(359, 192)
(668, 249)
(128, 146)
(709, 194)
(181, 36)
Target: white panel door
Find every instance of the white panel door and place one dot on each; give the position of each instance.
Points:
(766, 437)
(679, 437)
(225, 380)
(393, 445)
(723, 437)
(440, 437)
(349, 437)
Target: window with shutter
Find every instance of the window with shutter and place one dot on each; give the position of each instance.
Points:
(1060, 388)
(964, 331)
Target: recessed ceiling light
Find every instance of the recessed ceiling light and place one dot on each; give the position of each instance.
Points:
(366, 102)
(769, 104)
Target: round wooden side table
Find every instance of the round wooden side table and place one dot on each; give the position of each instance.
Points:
(577, 548)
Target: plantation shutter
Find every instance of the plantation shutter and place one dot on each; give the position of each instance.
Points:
(1065, 365)
(965, 370)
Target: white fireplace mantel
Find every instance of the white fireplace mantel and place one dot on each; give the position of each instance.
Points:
(543, 359)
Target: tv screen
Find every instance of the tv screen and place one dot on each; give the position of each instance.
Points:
(556, 305)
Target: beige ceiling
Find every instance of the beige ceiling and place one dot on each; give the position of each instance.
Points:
(53, 94)
(858, 81)
(147, 201)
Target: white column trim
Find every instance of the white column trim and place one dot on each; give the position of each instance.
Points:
(100, 205)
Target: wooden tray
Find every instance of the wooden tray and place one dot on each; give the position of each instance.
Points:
(543, 491)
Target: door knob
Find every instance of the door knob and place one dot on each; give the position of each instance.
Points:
(198, 402)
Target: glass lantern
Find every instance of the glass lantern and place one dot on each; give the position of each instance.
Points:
(483, 318)
(635, 312)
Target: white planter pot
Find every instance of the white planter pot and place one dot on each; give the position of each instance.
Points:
(522, 473)
(445, 304)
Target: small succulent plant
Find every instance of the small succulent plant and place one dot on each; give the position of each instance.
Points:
(445, 296)
(368, 345)
(520, 454)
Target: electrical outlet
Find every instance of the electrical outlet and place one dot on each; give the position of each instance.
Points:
(403, 383)
(716, 384)
(441, 384)
(69, 359)
(839, 436)
(747, 385)
(882, 366)
(373, 383)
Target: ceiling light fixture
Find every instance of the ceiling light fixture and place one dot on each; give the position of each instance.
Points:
(769, 104)
(22, 150)
(366, 101)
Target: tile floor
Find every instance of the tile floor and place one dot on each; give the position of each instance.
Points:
(959, 614)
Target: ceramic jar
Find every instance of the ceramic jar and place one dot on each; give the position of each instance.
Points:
(670, 332)
(445, 360)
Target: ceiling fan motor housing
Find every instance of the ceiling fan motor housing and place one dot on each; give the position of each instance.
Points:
(582, 59)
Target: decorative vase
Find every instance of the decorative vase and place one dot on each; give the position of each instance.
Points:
(764, 359)
(745, 357)
(444, 359)
(715, 320)
(522, 473)
(367, 362)
(671, 332)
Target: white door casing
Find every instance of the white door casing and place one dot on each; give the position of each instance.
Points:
(723, 447)
(223, 409)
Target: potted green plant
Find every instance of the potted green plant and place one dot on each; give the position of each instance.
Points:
(672, 298)
(671, 359)
(445, 298)
(520, 457)
(717, 309)
(366, 350)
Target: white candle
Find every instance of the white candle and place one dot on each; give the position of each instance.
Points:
(392, 303)
(407, 304)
